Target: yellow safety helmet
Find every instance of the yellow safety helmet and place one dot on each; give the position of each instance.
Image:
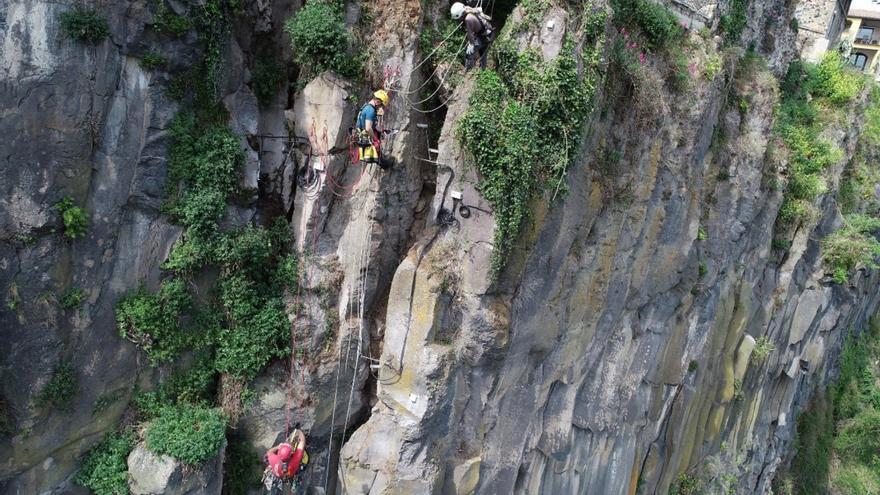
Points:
(382, 96)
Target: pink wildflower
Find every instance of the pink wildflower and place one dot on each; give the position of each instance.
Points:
(643, 58)
(692, 68)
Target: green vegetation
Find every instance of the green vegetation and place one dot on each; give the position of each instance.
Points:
(189, 433)
(321, 42)
(852, 247)
(153, 60)
(105, 400)
(701, 234)
(532, 14)
(13, 299)
(738, 392)
(431, 42)
(267, 77)
(75, 220)
(522, 129)
(241, 468)
(692, 366)
(85, 25)
(152, 321)
(807, 91)
(857, 188)
(687, 484)
(7, 420)
(839, 434)
(810, 467)
(236, 326)
(861, 175)
(763, 347)
(58, 392)
(72, 298)
(712, 67)
(657, 23)
(167, 22)
(105, 469)
(733, 23)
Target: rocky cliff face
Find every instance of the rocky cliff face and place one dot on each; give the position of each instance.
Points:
(611, 356)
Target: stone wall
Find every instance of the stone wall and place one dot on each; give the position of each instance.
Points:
(820, 24)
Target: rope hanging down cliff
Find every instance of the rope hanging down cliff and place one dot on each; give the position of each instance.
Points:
(355, 305)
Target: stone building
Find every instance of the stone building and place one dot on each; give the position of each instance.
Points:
(862, 35)
(820, 25)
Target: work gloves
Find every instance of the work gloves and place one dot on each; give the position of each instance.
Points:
(470, 50)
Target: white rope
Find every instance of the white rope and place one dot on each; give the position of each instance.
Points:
(440, 45)
(333, 417)
(449, 70)
(363, 267)
(349, 310)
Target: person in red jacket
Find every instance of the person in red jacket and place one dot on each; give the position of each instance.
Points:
(283, 462)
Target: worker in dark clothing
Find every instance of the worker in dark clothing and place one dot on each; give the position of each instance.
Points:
(479, 33)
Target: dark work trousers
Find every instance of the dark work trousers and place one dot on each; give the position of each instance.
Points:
(481, 49)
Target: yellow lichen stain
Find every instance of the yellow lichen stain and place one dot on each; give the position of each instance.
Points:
(715, 421)
(634, 474)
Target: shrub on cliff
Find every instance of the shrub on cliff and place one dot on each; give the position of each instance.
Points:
(809, 91)
(59, 390)
(74, 218)
(734, 21)
(105, 469)
(152, 320)
(852, 246)
(189, 433)
(320, 41)
(84, 25)
(659, 24)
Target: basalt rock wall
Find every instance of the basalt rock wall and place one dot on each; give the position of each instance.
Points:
(611, 356)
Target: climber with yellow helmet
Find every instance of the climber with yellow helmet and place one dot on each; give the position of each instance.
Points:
(368, 129)
(479, 33)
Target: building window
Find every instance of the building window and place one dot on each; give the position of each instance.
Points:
(860, 60)
(865, 34)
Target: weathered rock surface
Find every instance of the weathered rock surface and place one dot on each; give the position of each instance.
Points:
(153, 474)
(414, 373)
(574, 374)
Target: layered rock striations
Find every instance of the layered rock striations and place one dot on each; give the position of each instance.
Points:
(614, 354)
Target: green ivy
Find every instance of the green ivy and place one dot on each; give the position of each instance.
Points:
(72, 298)
(267, 77)
(84, 25)
(104, 470)
(522, 129)
(241, 468)
(189, 433)
(320, 41)
(152, 320)
(75, 220)
(204, 157)
(153, 60)
(167, 22)
(733, 23)
(659, 24)
(59, 391)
